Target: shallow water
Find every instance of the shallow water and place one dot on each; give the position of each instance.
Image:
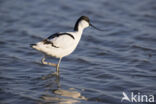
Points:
(123, 58)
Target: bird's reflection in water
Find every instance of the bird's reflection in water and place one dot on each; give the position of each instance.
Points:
(62, 96)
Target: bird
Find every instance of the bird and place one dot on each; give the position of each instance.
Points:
(62, 44)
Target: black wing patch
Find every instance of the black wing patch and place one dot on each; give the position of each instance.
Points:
(60, 34)
(46, 41)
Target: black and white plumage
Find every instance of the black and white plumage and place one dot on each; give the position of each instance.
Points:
(64, 43)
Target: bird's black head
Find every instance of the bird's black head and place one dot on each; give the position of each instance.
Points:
(84, 18)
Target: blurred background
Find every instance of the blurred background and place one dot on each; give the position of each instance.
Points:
(122, 58)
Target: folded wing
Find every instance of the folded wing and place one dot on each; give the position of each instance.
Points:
(61, 40)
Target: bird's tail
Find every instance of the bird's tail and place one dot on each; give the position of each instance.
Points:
(31, 45)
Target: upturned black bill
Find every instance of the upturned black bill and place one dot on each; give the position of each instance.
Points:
(96, 27)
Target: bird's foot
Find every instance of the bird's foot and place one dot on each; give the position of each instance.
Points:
(47, 63)
(55, 73)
